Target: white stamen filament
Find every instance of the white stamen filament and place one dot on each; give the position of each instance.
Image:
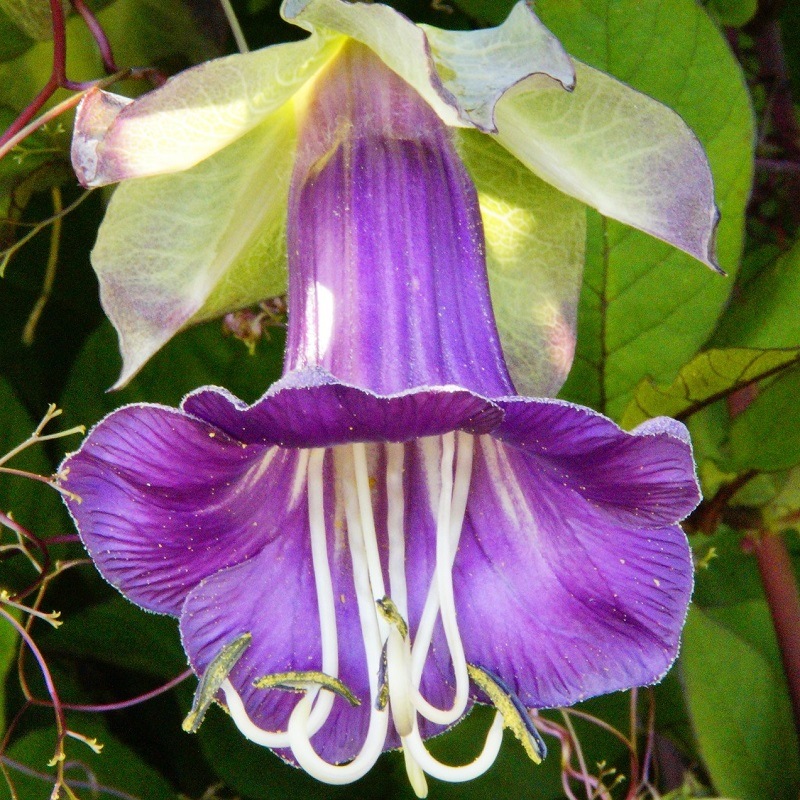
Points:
(243, 722)
(324, 585)
(367, 521)
(313, 461)
(358, 534)
(440, 593)
(384, 637)
(398, 647)
(395, 526)
(466, 772)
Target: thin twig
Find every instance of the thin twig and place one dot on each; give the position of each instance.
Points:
(134, 701)
(29, 331)
(235, 27)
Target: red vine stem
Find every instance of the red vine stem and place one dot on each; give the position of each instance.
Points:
(780, 588)
(58, 710)
(133, 701)
(25, 123)
(57, 77)
(96, 29)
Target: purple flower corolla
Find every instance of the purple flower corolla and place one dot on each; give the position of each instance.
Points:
(390, 523)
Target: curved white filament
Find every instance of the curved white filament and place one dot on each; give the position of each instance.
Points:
(398, 647)
(248, 728)
(452, 507)
(385, 639)
(324, 585)
(336, 774)
(467, 772)
(370, 538)
(298, 729)
(327, 618)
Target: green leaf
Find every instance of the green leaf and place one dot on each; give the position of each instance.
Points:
(708, 377)
(8, 656)
(33, 505)
(763, 310)
(200, 356)
(115, 769)
(766, 435)
(729, 575)
(782, 512)
(13, 41)
(120, 633)
(734, 13)
(31, 16)
(739, 702)
(646, 308)
(534, 253)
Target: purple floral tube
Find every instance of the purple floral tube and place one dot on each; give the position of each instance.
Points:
(390, 531)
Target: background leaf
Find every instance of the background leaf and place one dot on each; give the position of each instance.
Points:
(764, 309)
(646, 308)
(706, 378)
(766, 436)
(739, 702)
(116, 767)
(199, 356)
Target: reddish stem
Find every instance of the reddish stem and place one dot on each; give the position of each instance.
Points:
(780, 587)
(61, 722)
(133, 701)
(40, 546)
(96, 29)
(57, 74)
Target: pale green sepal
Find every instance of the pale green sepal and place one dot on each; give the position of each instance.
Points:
(215, 675)
(302, 681)
(515, 715)
(196, 113)
(461, 74)
(534, 252)
(625, 154)
(478, 67)
(178, 249)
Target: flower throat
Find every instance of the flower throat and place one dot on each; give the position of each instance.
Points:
(387, 269)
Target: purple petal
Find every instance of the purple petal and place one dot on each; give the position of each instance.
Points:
(387, 267)
(642, 478)
(273, 597)
(309, 408)
(167, 500)
(558, 595)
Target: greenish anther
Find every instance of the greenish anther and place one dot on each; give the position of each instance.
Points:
(388, 610)
(515, 715)
(215, 675)
(300, 681)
